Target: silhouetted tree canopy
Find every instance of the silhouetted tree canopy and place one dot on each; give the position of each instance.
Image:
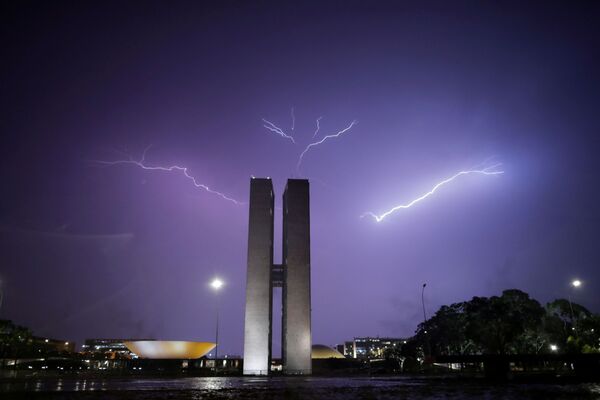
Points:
(512, 323)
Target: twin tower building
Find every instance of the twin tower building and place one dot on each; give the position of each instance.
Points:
(293, 275)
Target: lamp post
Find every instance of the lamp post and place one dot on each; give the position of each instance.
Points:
(216, 284)
(1, 293)
(423, 302)
(427, 349)
(575, 283)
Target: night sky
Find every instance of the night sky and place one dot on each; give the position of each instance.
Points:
(90, 250)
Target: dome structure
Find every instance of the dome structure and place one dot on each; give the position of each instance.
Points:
(169, 349)
(320, 352)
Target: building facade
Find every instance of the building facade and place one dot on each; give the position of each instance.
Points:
(370, 347)
(110, 349)
(293, 275)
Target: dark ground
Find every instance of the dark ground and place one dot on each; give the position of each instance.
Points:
(290, 388)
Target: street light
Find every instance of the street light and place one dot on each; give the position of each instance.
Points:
(217, 284)
(423, 302)
(576, 283)
(427, 349)
(553, 347)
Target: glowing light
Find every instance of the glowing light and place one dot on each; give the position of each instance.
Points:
(486, 171)
(172, 168)
(274, 128)
(318, 126)
(168, 349)
(576, 283)
(553, 347)
(216, 284)
(332, 136)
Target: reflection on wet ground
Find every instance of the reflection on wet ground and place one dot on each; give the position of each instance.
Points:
(287, 388)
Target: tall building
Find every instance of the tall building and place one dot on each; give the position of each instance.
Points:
(293, 275)
(259, 285)
(296, 329)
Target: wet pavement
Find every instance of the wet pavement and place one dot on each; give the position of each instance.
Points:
(286, 388)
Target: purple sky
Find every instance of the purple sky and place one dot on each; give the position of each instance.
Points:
(97, 251)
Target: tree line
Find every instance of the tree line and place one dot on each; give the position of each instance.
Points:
(512, 323)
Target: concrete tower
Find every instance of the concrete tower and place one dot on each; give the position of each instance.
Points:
(293, 275)
(296, 329)
(259, 287)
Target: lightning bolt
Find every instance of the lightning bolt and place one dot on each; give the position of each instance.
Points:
(318, 126)
(491, 170)
(335, 135)
(172, 168)
(274, 128)
(293, 118)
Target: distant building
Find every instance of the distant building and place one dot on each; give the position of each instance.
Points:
(18, 340)
(53, 345)
(108, 348)
(370, 347)
(169, 349)
(349, 349)
(226, 364)
(322, 352)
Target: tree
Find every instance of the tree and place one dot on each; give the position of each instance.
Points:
(496, 323)
(573, 327)
(446, 331)
(15, 340)
(512, 323)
